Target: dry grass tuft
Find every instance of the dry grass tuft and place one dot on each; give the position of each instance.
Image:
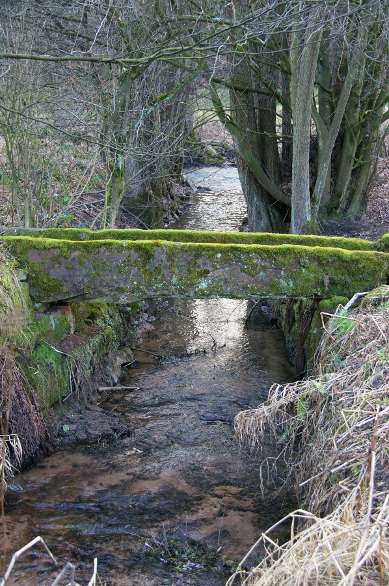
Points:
(21, 425)
(333, 432)
(13, 309)
(20, 415)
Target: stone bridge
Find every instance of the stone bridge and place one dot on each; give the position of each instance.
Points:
(124, 266)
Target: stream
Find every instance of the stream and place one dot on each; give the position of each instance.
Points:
(177, 501)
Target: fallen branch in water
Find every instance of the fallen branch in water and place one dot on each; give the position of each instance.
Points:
(117, 388)
(147, 352)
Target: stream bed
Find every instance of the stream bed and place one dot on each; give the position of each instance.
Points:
(176, 501)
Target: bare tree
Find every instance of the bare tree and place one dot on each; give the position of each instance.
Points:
(307, 84)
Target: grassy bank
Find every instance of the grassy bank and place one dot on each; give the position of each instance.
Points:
(47, 354)
(332, 429)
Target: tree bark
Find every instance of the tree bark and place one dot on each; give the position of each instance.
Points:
(262, 214)
(286, 137)
(333, 130)
(303, 57)
(115, 191)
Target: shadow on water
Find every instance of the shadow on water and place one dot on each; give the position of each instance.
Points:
(177, 500)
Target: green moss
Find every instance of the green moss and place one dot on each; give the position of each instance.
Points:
(8, 282)
(383, 243)
(53, 287)
(379, 292)
(15, 305)
(316, 331)
(200, 236)
(342, 324)
(51, 328)
(38, 339)
(20, 248)
(331, 304)
(173, 267)
(51, 371)
(87, 313)
(47, 370)
(301, 320)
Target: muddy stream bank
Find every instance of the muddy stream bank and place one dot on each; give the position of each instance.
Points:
(173, 499)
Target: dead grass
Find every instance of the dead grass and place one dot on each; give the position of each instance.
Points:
(21, 425)
(332, 430)
(68, 571)
(13, 307)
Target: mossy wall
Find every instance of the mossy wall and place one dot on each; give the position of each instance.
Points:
(126, 271)
(60, 351)
(301, 321)
(383, 243)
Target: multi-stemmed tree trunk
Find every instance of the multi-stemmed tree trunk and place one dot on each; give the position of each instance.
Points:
(307, 81)
(257, 150)
(252, 124)
(362, 133)
(144, 123)
(326, 70)
(304, 54)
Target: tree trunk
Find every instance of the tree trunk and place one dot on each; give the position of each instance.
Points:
(265, 107)
(116, 128)
(252, 125)
(341, 196)
(325, 112)
(372, 141)
(286, 150)
(28, 217)
(115, 191)
(333, 129)
(262, 215)
(304, 56)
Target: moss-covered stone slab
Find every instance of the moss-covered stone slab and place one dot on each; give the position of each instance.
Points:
(194, 236)
(125, 271)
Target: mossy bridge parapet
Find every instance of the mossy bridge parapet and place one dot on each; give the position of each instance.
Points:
(123, 266)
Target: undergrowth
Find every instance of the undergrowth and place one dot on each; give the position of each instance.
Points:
(332, 430)
(13, 305)
(20, 422)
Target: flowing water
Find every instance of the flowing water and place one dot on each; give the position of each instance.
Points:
(176, 500)
(219, 203)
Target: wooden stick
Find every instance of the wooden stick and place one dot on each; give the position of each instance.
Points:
(147, 352)
(117, 388)
(20, 552)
